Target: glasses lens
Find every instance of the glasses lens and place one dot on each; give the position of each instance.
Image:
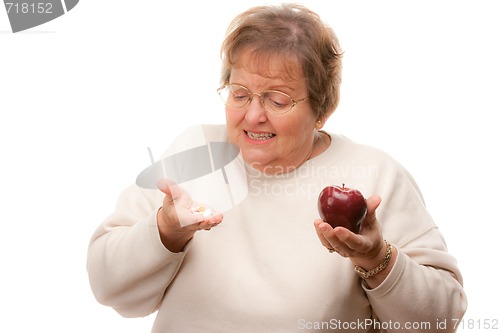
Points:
(277, 102)
(237, 96)
(234, 95)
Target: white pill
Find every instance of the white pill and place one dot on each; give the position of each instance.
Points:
(207, 213)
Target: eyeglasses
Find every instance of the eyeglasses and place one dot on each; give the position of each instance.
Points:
(273, 101)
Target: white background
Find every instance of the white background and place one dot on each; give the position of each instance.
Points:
(83, 96)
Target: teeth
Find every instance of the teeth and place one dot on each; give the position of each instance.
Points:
(260, 136)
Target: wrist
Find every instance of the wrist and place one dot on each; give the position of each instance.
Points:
(370, 260)
(371, 267)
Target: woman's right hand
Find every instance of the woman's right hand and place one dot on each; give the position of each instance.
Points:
(176, 221)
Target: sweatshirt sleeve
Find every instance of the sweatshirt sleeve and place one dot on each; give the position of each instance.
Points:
(423, 292)
(128, 266)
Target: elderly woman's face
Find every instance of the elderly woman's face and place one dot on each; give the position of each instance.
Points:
(271, 143)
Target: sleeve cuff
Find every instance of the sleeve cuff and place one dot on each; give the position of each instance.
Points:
(391, 279)
(160, 249)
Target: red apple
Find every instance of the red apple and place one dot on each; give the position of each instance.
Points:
(342, 206)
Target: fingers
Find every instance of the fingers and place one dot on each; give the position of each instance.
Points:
(169, 188)
(169, 210)
(322, 228)
(338, 239)
(372, 204)
(370, 226)
(333, 238)
(207, 223)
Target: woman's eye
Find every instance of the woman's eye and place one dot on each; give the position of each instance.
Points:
(278, 100)
(240, 97)
(239, 94)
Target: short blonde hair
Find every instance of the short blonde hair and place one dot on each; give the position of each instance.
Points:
(294, 34)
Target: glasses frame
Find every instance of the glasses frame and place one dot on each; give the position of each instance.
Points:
(250, 98)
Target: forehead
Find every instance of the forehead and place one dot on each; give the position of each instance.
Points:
(271, 66)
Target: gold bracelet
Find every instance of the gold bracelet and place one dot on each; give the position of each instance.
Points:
(364, 274)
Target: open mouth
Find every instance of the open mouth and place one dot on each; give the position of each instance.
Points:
(260, 136)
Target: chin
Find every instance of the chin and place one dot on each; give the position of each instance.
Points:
(256, 160)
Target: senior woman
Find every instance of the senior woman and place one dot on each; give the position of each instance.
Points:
(269, 264)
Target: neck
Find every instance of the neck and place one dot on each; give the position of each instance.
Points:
(321, 143)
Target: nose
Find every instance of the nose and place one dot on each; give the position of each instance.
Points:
(255, 112)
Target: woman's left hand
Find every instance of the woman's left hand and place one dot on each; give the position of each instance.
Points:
(366, 249)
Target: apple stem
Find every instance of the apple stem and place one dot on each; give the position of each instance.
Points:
(343, 186)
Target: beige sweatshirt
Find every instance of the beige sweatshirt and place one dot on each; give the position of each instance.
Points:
(264, 270)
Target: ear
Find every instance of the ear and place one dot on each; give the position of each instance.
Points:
(319, 123)
(321, 120)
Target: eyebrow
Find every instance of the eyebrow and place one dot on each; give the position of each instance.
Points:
(279, 87)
